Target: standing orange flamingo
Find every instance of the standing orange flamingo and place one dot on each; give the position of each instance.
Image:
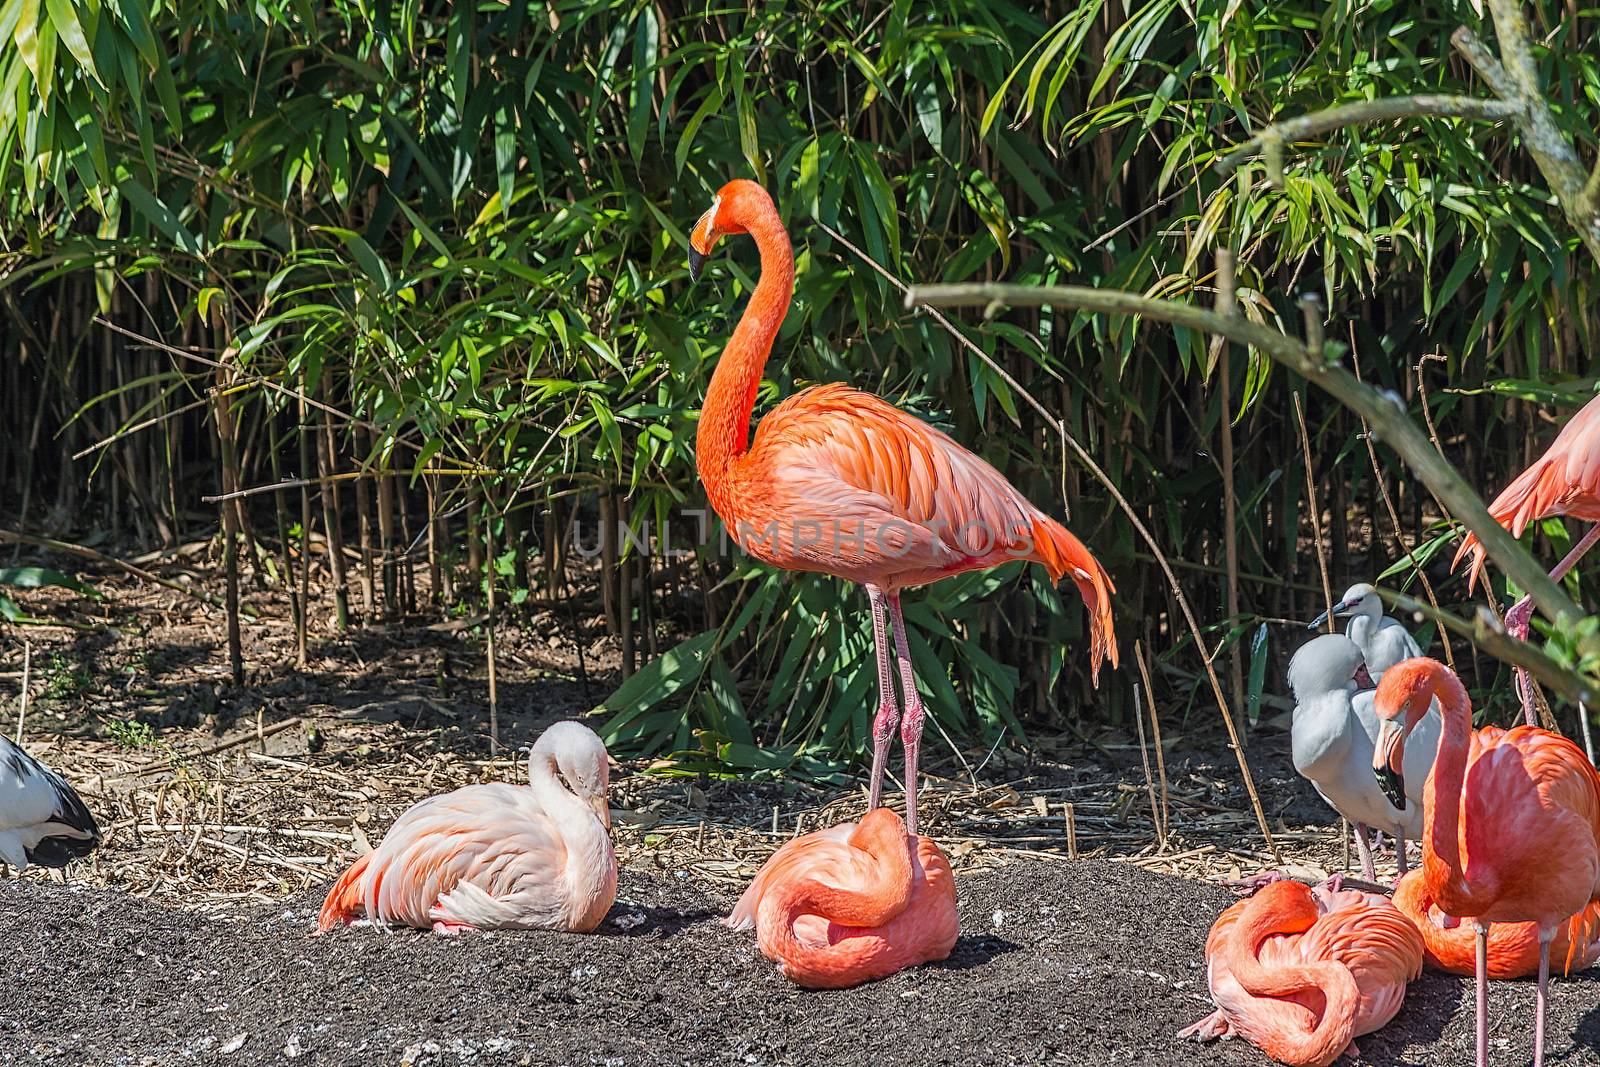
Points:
(1301, 973)
(840, 482)
(496, 856)
(1563, 481)
(852, 903)
(1450, 945)
(1512, 823)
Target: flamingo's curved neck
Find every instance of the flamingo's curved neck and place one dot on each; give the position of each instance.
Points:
(724, 433)
(1335, 1028)
(587, 843)
(1442, 798)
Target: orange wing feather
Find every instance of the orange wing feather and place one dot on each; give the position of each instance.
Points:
(841, 482)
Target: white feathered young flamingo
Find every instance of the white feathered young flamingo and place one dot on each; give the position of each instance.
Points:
(42, 819)
(496, 856)
(1383, 641)
(1333, 737)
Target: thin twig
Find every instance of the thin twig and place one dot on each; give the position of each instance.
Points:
(220, 746)
(1149, 780)
(345, 476)
(1155, 730)
(22, 698)
(1316, 513)
(14, 537)
(1271, 139)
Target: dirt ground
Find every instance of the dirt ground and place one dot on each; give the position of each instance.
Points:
(228, 809)
(1087, 962)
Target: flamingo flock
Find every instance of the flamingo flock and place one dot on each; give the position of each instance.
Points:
(839, 482)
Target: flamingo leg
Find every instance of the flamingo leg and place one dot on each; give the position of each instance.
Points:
(1400, 857)
(1369, 870)
(1483, 992)
(911, 724)
(1545, 937)
(1520, 615)
(888, 710)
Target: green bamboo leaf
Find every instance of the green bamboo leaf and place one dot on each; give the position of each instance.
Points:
(65, 21)
(43, 577)
(646, 43)
(161, 217)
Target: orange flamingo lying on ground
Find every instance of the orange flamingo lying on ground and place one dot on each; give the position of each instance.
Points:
(852, 903)
(1512, 823)
(1301, 972)
(840, 482)
(1563, 481)
(497, 855)
(1450, 945)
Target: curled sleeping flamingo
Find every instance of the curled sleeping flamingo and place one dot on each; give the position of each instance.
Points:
(1450, 945)
(1512, 820)
(840, 482)
(852, 903)
(1563, 481)
(1301, 972)
(494, 856)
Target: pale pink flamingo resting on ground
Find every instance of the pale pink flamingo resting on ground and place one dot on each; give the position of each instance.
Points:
(1301, 973)
(1512, 823)
(840, 482)
(852, 903)
(1563, 481)
(496, 856)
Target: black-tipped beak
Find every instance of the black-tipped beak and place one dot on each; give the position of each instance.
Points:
(697, 261)
(1338, 611)
(1393, 784)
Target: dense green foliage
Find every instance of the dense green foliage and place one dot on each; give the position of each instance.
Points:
(461, 228)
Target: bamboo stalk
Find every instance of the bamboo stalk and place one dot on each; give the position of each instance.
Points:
(1227, 305)
(301, 431)
(489, 626)
(333, 524)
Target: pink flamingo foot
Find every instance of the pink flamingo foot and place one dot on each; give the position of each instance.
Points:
(1210, 1028)
(1254, 883)
(452, 929)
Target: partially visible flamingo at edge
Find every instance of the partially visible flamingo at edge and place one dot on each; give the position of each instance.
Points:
(852, 903)
(496, 855)
(1563, 481)
(1301, 973)
(1512, 824)
(840, 482)
(1450, 945)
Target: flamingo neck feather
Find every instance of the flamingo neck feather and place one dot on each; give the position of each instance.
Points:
(724, 432)
(1446, 873)
(590, 874)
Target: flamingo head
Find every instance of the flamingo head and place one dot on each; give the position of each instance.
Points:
(1403, 698)
(735, 203)
(580, 757)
